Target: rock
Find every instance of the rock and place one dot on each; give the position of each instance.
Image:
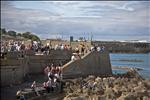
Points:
(92, 77)
(76, 97)
(145, 98)
(130, 96)
(142, 93)
(85, 90)
(98, 79)
(147, 83)
(100, 97)
(84, 96)
(112, 78)
(124, 89)
(138, 88)
(104, 79)
(131, 86)
(116, 81)
(109, 88)
(120, 98)
(117, 90)
(109, 93)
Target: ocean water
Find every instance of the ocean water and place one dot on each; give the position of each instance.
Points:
(132, 60)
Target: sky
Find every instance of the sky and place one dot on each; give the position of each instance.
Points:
(104, 20)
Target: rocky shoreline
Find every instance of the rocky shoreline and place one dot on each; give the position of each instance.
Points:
(126, 68)
(128, 86)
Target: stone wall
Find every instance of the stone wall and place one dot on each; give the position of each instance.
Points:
(12, 71)
(124, 47)
(15, 67)
(94, 63)
(37, 63)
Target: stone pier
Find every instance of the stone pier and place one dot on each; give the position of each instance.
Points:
(93, 63)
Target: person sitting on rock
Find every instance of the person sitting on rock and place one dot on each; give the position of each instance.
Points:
(22, 97)
(90, 84)
(47, 85)
(33, 86)
(18, 94)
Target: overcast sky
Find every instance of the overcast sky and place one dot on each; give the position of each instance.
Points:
(106, 20)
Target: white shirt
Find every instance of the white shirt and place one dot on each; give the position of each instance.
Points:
(62, 47)
(98, 49)
(92, 48)
(73, 58)
(56, 47)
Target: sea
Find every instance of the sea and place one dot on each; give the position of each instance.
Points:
(141, 61)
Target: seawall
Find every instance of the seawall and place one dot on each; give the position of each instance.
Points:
(14, 69)
(15, 66)
(93, 63)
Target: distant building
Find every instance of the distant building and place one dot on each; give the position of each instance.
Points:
(71, 38)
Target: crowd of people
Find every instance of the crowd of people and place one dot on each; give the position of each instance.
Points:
(35, 46)
(53, 77)
(46, 49)
(97, 48)
(53, 82)
(80, 52)
(12, 46)
(53, 74)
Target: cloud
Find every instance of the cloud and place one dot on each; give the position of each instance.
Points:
(106, 20)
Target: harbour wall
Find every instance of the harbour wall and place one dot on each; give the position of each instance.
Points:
(15, 69)
(93, 63)
(17, 66)
(124, 47)
(12, 71)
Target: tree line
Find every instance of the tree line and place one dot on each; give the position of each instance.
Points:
(27, 35)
